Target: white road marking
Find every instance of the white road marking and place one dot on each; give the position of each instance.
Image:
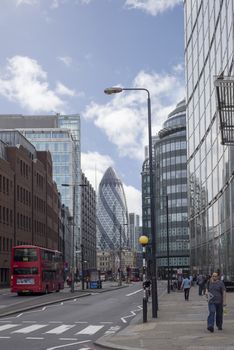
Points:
(55, 322)
(35, 338)
(137, 291)
(60, 329)
(62, 346)
(112, 330)
(81, 322)
(67, 338)
(90, 330)
(29, 321)
(30, 329)
(123, 318)
(19, 315)
(43, 309)
(7, 326)
(5, 337)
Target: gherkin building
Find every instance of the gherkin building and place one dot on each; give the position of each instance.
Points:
(112, 213)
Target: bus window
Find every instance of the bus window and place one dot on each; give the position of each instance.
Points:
(25, 254)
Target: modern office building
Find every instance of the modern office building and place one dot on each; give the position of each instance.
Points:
(59, 134)
(112, 214)
(172, 233)
(209, 52)
(133, 229)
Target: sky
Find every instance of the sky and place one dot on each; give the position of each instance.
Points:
(58, 56)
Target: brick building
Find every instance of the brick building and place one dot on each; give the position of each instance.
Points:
(29, 200)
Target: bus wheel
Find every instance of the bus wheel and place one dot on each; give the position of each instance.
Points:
(57, 290)
(19, 294)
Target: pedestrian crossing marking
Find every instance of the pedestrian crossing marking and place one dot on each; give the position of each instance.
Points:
(7, 326)
(60, 329)
(90, 330)
(29, 329)
(35, 338)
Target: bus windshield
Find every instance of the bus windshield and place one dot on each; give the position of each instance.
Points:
(25, 254)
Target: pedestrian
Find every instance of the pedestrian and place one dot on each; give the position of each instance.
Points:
(216, 294)
(201, 283)
(186, 284)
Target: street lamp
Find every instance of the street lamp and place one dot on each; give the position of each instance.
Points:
(82, 265)
(73, 232)
(143, 240)
(120, 254)
(114, 90)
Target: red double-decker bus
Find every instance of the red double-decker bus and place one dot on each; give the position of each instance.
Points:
(36, 270)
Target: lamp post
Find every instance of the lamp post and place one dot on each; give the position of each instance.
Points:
(82, 265)
(73, 231)
(114, 90)
(143, 240)
(120, 254)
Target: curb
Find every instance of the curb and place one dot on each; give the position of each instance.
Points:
(109, 345)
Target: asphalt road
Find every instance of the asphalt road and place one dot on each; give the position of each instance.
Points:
(72, 324)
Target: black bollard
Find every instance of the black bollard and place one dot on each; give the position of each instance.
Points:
(144, 309)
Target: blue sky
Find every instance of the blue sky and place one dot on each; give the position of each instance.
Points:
(58, 56)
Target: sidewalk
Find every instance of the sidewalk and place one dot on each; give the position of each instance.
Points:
(180, 325)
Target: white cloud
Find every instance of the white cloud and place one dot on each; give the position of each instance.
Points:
(124, 118)
(152, 7)
(94, 165)
(67, 60)
(83, 2)
(25, 82)
(133, 197)
(63, 90)
(26, 2)
(179, 68)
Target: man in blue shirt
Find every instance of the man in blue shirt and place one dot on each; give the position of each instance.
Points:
(186, 284)
(216, 294)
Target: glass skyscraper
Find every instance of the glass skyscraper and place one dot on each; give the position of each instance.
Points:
(209, 52)
(112, 214)
(172, 232)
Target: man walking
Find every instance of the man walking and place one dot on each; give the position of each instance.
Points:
(186, 284)
(216, 294)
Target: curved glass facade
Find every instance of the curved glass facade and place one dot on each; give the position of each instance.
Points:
(112, 215)
(171, 193)
(209, 53)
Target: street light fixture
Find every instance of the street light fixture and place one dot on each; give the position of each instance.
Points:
(120, 253)
(114, 90)
(73, 232)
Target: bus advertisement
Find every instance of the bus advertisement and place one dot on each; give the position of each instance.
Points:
(36, 270)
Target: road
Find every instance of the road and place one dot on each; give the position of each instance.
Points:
(73, 324)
